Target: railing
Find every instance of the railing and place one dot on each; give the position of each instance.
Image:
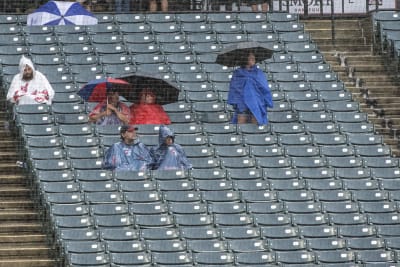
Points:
(329, 7)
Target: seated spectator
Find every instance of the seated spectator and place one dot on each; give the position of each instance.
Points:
(111, 111)
(153, 5)
(147, 111)
(29, 86)
(168, 155)
(129, 154)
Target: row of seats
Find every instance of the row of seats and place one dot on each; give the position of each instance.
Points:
(122, 18)
(322, 176)
(160, 27)
(346, 258)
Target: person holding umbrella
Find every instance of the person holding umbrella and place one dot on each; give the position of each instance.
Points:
(249, 93)
(129, 154)
(111, 111)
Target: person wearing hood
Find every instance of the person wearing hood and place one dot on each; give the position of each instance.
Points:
(249, 94)
(29, 86)
(129, 154)
(168, 155)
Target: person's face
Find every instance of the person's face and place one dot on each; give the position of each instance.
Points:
(169, 140)
(251, 60)
(28, 73)
(129, 136)
(148, 98)
(113, 98)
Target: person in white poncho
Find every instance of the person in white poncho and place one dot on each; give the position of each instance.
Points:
(29, 86)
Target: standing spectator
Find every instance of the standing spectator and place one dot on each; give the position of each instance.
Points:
(129, 154)
(255, 3)
(29, 86)
(249, 94)
(153, 5)
(122, 6)
(111, 111)
(169, 155)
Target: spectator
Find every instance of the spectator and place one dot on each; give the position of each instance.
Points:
(29, 86)
(122, 6)
(129, 154)
(111, 111)
(147, 111)
(169, 155)
(255, 5)
(153, 5)
(249, 94)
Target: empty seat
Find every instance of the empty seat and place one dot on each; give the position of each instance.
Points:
(336, 257)
(141, 258)
(295, 257)
(288, 244)
(255, 258)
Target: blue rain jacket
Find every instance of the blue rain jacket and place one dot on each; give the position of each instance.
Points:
(249, 90)
(169, 157)
(120, 156)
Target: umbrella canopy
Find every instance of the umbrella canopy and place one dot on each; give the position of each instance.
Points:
(236, 55)
(96, 90)
(165, 90)
(61, 13)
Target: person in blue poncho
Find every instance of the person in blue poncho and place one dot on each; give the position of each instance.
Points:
(168, 155)
(129, 154)
(249, 94)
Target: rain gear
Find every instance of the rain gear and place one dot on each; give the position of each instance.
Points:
(134, 157)
(113, 118)
(36, 91)
(249, 90)
(148, 114)
(169, 157)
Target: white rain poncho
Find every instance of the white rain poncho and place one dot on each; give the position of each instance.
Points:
(36, 91)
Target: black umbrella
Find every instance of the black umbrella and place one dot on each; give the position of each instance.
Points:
(167, 91)
(236, 54)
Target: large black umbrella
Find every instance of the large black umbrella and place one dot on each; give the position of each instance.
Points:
(236, 54)
(167, 91)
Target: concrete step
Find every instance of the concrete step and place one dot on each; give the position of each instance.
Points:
(14, 191)
(34, 250)
(27, 262)
(20, 214)
(12, 179)
(22, 238)
(16, 204)
(20, 227)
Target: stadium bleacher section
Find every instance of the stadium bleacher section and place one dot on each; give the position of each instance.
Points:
(315, 187)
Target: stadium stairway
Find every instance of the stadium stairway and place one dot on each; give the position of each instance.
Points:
(23, 241)
(372, 81)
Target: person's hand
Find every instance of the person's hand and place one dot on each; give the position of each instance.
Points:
(111, 108)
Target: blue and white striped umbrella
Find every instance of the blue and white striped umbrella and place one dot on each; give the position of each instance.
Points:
(61, 13)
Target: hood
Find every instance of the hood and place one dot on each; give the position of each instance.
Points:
(23, 62)
(163, 133)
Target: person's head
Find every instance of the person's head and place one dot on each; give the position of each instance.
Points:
(147, 96)
(128, 133)
(166, 136)
(251, 60)
(27, 74)
(169, 140)
(112, 97)
(26, 68)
